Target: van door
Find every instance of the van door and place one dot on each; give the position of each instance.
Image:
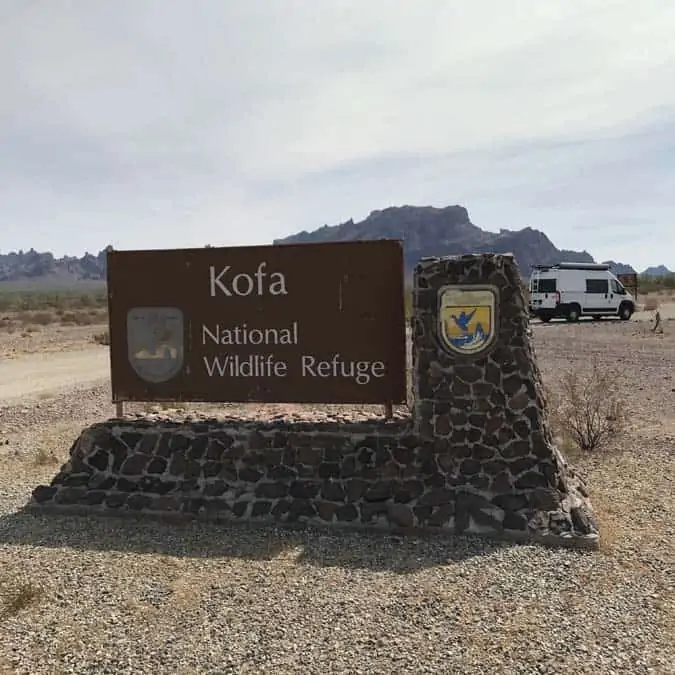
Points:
(543, 293)
(616, 294)
(596, 297)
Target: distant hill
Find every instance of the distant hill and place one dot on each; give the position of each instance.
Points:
(619, 268)
(430, 231)
(658, 271)
(32, 269)
(425, 231)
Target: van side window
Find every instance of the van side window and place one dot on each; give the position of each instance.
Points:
(546, 286)
(597, 286)
(617, 287)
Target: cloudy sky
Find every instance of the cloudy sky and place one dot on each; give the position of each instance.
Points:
(159, 123)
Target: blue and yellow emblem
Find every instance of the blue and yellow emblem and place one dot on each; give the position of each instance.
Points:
(467, 319)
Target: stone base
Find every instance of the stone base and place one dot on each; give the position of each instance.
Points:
(374, 474)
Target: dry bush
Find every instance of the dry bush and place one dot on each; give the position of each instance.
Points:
(18, 596)
(102, 338)
(43, 318)
(45, 457)
(586, 407)
(651, 304)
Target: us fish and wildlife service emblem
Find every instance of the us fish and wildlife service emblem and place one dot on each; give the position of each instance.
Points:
(155, 342)
(467, 317)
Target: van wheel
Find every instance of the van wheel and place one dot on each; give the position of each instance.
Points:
(625, 312)
(545, 318)
(573, 313)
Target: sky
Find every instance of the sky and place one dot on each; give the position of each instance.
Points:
(158, 124)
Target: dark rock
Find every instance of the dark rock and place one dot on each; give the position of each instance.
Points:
(271, 490)
(77, 479)
(93, 498)
(115, 500)
(215, 489)
(281, 473)
(148, 443)
(281, 508)
(379, 491)
(442, 515)
(303, 489)
(249, 475)
(198, 447)
(333, 491)
(373, 510)
(326, 510)
(514, 521)
(437, 497)
(301, 508)
(544, 499)
(522, 464)
(408, 491)
(356, 488)
(582, 521)
(99, 460)
(422, 514)
(43, 493)
(239, 508)
(347, 513)
(531, 480)
(310, 456)
(126, 485)
(101, 482)
(511, 502)
(156, 466)
(470, 467)
(400, 515)
(138, 502)
(261, 508)
(165, 486)
(185, 486)
(329, 470)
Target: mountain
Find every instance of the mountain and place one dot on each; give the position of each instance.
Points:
(658, 271)
(31, 267)
(430, 231)
(619, 267)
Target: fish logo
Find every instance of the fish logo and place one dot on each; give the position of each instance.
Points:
(155, 342)
(467, 319)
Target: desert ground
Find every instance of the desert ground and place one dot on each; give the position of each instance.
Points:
(103, 595)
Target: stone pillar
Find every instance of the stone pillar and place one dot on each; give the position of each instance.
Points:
(478, 390)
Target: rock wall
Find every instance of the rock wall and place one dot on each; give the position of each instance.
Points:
(476, 456)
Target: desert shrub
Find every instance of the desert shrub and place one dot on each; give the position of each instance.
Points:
(16, 596)
(102, 338)
(586, 407)
(43, 318)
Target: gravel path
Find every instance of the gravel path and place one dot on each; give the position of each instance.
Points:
(29, 375)
(94, 595)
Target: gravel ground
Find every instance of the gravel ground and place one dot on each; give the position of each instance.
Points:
(103, 595)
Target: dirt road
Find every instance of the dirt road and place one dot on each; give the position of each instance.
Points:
(41, 373)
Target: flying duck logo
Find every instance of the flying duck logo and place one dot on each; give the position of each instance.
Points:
(467, 318)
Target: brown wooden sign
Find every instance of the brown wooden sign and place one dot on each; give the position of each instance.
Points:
(299, 323)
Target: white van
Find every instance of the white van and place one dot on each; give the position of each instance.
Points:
(573, 290)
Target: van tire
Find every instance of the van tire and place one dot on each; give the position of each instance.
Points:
(573, 313)
(544, 317)
(625, 311)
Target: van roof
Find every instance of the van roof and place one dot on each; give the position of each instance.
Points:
(573, 266)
